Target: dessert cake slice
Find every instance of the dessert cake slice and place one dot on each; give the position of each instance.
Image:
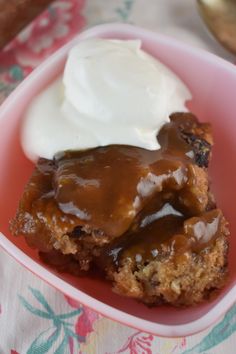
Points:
(146, 219)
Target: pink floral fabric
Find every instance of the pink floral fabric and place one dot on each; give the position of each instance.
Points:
(84, 324)
(53, 28)
(34, 317)
(48, 32)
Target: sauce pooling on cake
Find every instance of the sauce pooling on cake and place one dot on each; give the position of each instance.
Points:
(108, 186)
(166, 227)
(129, 191)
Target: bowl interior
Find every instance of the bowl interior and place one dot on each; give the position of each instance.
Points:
(213, 86)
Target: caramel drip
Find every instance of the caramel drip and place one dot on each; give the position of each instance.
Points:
(108, 186)
(161, 233)
(133, 196)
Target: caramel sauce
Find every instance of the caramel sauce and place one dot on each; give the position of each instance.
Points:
(108, 186)
(165, 232)
(203, 229)
(132, 195)
(145, 243)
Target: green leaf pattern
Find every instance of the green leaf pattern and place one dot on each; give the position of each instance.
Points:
(59, 326)
(124, 10)
(218, 334)
(44, 342)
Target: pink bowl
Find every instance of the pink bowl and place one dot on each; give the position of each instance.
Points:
(213, 85)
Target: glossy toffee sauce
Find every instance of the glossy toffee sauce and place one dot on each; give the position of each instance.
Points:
(108, 186)
(168, 233)
(132, 194)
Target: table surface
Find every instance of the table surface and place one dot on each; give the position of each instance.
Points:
(34, 317)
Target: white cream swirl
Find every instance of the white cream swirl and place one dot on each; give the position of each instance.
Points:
(112, 92)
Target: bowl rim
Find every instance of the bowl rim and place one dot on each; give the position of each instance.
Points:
(155, 328)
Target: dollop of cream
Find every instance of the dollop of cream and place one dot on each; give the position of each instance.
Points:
(111, 92)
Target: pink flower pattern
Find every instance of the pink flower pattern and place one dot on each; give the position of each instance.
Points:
(58, 24)
(85, 322)
(48, 32)
(138, 343)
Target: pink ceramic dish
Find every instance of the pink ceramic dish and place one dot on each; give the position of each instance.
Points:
(213, 85)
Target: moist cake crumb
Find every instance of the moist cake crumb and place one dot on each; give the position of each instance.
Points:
(146, 219)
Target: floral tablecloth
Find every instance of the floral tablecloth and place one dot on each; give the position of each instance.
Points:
(34, 317)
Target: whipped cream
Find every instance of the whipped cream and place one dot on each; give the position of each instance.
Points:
(111, 92)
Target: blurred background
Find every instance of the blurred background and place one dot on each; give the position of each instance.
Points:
(59, 21)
